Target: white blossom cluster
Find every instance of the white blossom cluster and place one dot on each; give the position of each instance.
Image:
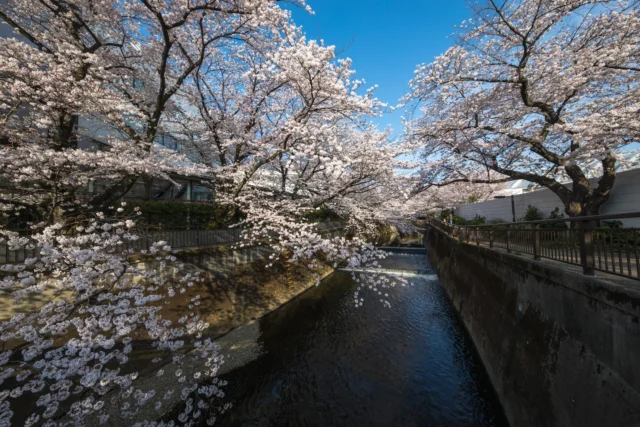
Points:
(76, 355)
(377, 284)
(541, 90)
(272, 122)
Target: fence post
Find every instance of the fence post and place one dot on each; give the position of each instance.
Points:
(586, 247)
(508, 239)
(477, 237)
(491, 236)
(146, 237)
(536, 242)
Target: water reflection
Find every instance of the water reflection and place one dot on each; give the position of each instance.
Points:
(323, 362)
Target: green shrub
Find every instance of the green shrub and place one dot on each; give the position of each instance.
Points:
(611, 224)
(445, 213)
(556, 214)
(458, 220)
(478, 220)
(496, 221)
(532, 214)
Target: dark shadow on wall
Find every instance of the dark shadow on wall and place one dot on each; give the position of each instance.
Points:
(561, 348)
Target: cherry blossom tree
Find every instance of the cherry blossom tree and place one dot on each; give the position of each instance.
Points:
(116, 66)
(273, 122)
(81, 68)
(435, 198)
(534, 90)
(286, 126)
(75, 357)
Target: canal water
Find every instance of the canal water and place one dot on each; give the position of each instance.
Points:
(320, 361)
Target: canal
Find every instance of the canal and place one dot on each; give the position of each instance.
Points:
(320, 361)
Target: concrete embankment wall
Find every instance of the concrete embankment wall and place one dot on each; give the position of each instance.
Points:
(241, 284)
(561, 349)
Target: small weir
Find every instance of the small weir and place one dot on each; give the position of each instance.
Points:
(320, 361)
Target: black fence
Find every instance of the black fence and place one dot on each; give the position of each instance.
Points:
(177, 239)
(581, 241)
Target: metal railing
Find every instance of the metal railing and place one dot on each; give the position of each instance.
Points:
(177, 239)
(581, 241)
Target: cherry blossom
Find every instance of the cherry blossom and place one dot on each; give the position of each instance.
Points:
(272, 122)
(534, 90)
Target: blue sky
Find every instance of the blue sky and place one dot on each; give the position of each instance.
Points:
(386, 39)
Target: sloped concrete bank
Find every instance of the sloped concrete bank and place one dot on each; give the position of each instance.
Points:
(241, 284)
(239, 289)
(561, 349)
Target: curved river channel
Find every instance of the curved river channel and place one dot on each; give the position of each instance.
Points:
(319, 361)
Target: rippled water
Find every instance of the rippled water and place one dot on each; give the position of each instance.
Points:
(318, 361)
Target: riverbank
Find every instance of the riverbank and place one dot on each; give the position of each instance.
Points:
(241, 285)
(239, 288)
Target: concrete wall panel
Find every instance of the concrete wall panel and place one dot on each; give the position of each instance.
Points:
(625, 197)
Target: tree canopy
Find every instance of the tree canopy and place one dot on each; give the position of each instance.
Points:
(533, 90)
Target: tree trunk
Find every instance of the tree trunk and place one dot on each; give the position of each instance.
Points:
(584, 206)
(584, 200)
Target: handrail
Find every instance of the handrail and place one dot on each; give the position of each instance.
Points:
(612, 250)
(176, 238)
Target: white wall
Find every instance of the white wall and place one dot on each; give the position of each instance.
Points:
(625, 197)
